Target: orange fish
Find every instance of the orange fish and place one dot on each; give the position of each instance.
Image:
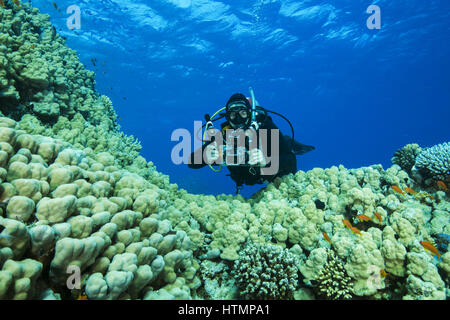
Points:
(442, 185)
(383, 273)
(325, 235)
(398, 190)
(2, 3)
(356, 231)
(17, 3)
(430, 247)
(428, 195)
(347, 224)
(410, 191)
(423, 195)
(363, 217)
(81, 297)
(378, 215)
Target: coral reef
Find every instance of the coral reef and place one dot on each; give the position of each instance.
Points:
(77, 200)
(266, 272)
(75, 211)
(132, 239)
(333, 281)
(218, 282)
(406, 156)
(423, 282)
(49, 92)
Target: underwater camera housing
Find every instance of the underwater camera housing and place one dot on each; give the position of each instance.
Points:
(240, 156)
(235, 155)
(233, 150)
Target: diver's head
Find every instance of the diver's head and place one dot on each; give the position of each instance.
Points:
(238, 111)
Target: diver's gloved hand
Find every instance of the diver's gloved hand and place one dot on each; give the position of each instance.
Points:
(212, 152)
(256, 158)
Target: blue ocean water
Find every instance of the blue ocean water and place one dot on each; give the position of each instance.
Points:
(356, 94)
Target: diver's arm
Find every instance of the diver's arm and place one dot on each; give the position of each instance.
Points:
(288, 164)
(287, 161)
(199, 156)
(293, 146)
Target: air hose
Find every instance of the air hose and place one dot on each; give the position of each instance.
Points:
(209, 122)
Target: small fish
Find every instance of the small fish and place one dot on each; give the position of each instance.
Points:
(442, 241)
(94, 60)
(430, 247)
(53, 32)
(2, 3)
(427, 195)
(410, 191)
(17, 3)
(442, 185)
(319, 204)
(363, 217)
(55, 5)
(378, 215)
(347, 224)
(383, 273)
(33, 46)
(423, 195)
(398, 190)
(81, 297)
(356, 231)
(327, 237)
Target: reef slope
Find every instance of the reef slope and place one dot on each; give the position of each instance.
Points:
(82, 214)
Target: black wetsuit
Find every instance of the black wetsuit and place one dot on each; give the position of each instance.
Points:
(251, 175)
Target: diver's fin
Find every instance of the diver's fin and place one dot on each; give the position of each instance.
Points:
(299, 148)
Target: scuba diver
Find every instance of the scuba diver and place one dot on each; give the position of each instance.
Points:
(240, 146)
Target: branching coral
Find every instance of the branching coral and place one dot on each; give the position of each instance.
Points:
(434, 162)
(266, 272)
(333, 282)
(406, 156)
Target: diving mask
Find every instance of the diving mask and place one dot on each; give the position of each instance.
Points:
(238, 116)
